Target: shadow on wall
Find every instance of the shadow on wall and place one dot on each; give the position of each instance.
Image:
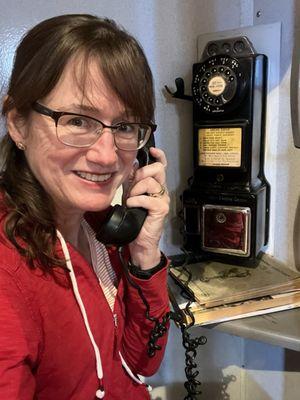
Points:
(296, 237)
(209, 390)
(185, 162)
(250, 389)
(219, 390)
(175, 391)
(291, 361)
(292, 369)
(227, 379)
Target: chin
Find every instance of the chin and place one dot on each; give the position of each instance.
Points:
(95, 206)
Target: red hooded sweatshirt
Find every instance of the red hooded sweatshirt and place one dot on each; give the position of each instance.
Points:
(45, 350)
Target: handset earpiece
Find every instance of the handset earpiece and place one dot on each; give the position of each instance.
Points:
(123, 224)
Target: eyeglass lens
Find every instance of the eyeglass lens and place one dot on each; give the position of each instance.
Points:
(78, 130)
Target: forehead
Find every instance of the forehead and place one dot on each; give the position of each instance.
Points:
(82, 82)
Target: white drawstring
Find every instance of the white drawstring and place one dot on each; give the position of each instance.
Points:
(131, 374)
(100, 393)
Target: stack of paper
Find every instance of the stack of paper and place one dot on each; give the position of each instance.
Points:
(224, 292)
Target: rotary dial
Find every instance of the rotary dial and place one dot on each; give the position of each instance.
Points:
(216, 82)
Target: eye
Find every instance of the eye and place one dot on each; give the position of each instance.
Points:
(125, 127)
(78, 121)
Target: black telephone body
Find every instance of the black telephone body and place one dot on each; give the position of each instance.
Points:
(226, 208)
(123, 224)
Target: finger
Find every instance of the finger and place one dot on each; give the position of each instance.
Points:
(156, 171)
(155, 205)
(159, 155)
(148, 185)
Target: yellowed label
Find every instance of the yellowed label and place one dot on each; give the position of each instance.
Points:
(220, 147)
(216, 85)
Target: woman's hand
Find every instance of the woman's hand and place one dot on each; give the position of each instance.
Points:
(148, 190)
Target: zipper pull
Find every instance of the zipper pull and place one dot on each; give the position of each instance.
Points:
(115, 320)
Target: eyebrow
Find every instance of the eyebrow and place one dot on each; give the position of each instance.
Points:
(85, 108)
(81, 108)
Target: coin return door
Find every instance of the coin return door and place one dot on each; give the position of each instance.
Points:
(226, 230)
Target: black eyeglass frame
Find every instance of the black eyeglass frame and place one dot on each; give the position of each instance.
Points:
(55, 115)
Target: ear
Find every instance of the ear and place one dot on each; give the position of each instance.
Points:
(16, 126)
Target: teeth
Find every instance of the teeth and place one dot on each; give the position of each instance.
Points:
(93, 177)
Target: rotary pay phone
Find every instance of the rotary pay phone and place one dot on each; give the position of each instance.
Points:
(226, 207)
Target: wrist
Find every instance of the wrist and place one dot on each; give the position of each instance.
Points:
(136, 270)
(145, 259)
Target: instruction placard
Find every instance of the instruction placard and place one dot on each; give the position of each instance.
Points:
(220, 147)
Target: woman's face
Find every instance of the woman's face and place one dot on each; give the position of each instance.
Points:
(78, 179)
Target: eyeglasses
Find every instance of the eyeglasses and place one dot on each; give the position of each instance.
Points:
(82, 131)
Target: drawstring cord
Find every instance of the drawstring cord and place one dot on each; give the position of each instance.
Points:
(100, 393)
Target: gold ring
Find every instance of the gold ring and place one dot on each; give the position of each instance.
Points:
(158, 194)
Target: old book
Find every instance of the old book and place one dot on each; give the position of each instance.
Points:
(213, 284)
(258, 306)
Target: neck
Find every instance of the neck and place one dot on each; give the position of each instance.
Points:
(69, 226)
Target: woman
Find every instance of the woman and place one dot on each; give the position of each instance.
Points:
(72, 323)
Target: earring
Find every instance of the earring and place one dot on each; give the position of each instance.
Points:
(20, 146)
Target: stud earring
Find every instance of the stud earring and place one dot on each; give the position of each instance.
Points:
(21, 146)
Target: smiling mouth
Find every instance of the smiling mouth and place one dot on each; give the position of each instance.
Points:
(93, 177)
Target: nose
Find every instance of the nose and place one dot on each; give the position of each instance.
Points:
(104, 150)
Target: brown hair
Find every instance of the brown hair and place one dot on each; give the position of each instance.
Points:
(39, 63)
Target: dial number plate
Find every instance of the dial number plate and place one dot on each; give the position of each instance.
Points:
(216, 83)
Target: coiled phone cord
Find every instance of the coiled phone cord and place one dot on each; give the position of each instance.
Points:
(160, 328)
(192, 384)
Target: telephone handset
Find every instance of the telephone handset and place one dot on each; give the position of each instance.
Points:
(122, 224)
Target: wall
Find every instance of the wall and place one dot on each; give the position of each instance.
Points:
(286, 213)
(230, 367)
